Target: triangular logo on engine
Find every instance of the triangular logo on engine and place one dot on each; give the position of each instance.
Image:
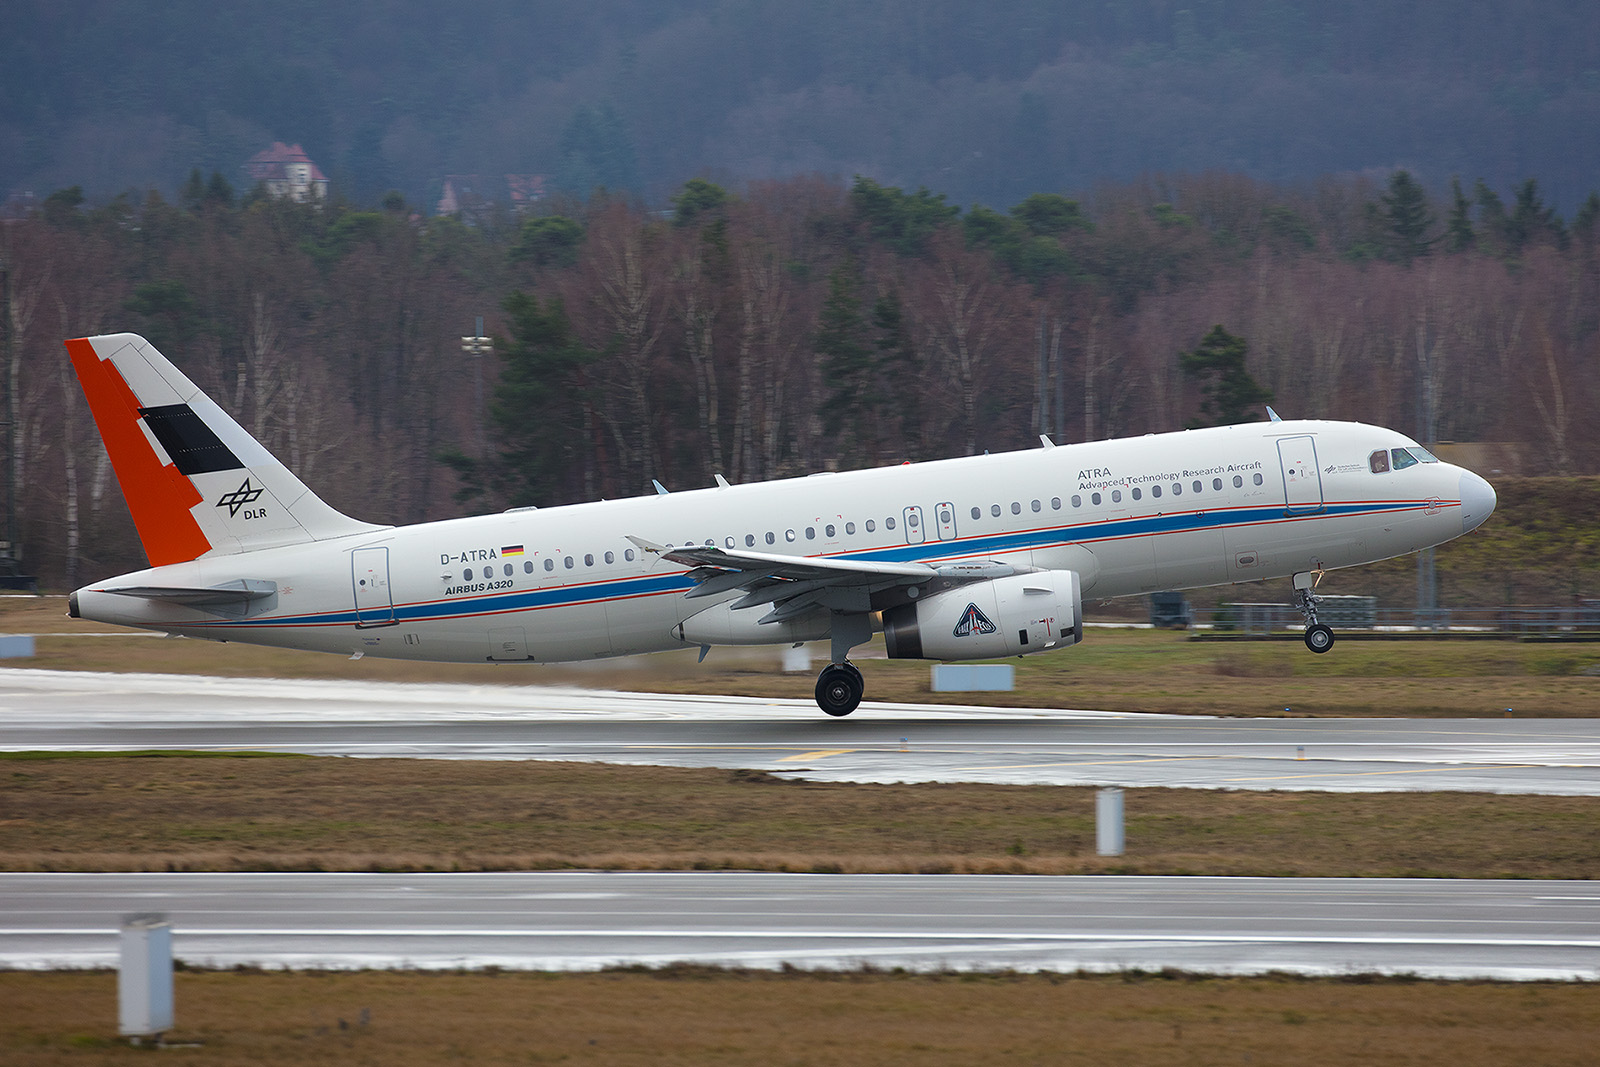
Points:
(972, 622)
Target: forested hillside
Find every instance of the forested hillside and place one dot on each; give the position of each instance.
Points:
(789, 327)
(985, 103)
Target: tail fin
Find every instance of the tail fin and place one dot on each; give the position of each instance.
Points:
(196, 482)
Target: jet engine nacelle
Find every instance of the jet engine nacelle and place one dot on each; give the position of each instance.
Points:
(983, 620)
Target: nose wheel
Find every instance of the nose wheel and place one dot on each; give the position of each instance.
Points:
(1319, 638)
(839, 688)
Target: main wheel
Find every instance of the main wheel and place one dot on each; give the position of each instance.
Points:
(839, 688)
(1319, 638)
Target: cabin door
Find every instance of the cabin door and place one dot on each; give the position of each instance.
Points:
(1302, 482)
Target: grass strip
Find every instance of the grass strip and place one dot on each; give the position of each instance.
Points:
(702, 1016)
(327, 814)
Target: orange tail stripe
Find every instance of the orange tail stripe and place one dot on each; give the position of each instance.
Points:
(157, 495)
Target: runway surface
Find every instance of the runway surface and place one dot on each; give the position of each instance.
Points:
(879, 743)
(586, 921)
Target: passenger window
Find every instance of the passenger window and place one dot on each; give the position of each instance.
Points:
(1199, 486)
(772, 538)
(1237, 481)
(945, 516)
(467, 574)
(871, 526)
(1155, 491)
(850, 528)
(1095, 498)
(1116, 496)
(749, 540)
(830, 530)
(1216, 483)
(627, 554)
(977, 513)
(912, 520)
(1136, 493)
(509, 570)
(611, 557)
(1379, 461)
(1177, 488)
(1055, 503)
(1077, 501)
(1016, 508)
(549, 563)
(1403, 459)
(1036, 505)
(566, 561)
(888, 524)
(588, 559)
(1256, 479)
(811, 533)
(488, 572)
(527, 566)
(788, 535)
(994, 509)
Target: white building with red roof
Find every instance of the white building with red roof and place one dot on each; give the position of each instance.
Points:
(287, 171)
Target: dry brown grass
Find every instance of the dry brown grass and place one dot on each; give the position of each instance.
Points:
(188, 813)
(693, 1016)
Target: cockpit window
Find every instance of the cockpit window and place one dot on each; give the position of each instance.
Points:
(1379, 461)
(1402, 459)
(1423, 454)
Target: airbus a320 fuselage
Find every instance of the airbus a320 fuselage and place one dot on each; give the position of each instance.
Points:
(960, 559)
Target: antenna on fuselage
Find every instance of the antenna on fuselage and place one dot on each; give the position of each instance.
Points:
(1273, 414)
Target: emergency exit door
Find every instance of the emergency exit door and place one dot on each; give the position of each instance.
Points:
(369, 580)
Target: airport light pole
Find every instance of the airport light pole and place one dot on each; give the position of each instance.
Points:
(9, 563)
(477, 347)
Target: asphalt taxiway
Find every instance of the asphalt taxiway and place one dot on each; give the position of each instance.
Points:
(879, 743)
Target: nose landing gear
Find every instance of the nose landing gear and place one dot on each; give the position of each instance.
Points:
(1319, 638)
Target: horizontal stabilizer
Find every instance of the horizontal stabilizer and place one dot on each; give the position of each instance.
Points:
(233, 598)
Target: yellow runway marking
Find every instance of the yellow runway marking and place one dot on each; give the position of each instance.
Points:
(1381, 774)
(820, 754)
(1083, 763)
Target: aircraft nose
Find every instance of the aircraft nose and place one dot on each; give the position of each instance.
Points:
(1477, 501)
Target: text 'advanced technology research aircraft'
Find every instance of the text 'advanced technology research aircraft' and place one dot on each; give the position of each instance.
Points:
(960, 559)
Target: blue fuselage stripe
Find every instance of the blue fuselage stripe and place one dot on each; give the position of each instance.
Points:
(1087, 533)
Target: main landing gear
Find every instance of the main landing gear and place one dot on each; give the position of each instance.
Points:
(839, 688)
(1318, 637)
(840, 685)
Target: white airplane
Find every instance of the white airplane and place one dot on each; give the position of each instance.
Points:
(959, 559)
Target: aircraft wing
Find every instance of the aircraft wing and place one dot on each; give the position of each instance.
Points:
(794, 585)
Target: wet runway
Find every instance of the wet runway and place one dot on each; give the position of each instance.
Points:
(879, 743)
(586, 921)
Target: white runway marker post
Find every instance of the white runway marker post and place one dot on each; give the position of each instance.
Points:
(144, 977)
(1108, 834)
